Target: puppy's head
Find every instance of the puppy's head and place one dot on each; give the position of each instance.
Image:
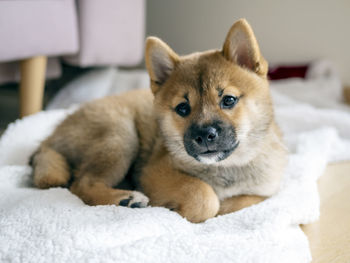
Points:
(213, 107)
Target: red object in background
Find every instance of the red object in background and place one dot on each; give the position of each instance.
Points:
(284, 72)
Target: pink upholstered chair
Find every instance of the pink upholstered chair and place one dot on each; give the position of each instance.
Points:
(82, 32)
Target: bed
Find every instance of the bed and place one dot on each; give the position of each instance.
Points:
(56, 226)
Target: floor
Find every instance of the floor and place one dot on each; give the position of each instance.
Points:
(329, 237)
(8, 104)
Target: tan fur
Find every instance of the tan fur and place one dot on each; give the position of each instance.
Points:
(48, 161)
(236, 203)
(93, 149)
(187, 195)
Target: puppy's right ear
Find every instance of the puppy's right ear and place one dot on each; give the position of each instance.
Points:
(160, 61)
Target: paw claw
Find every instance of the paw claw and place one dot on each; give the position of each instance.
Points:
(136, 205)
(136, 200)
(125, 202)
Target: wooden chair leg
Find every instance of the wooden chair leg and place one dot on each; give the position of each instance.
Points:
(32, 84)
(346, 93)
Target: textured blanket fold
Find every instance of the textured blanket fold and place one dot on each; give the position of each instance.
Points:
(56, 226)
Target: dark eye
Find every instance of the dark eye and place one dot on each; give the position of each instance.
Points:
(183, 109)
(228, 102)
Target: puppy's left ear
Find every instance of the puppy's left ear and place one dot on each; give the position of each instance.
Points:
(242, 48)
(160, 61)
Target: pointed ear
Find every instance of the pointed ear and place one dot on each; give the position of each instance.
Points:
(242, 48)
(160, 61)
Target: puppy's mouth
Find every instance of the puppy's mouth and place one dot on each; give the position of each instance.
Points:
(211, 156)
(209, 153)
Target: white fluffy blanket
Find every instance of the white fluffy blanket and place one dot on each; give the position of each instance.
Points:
(56, 226)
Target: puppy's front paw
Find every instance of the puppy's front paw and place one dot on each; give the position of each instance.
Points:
(135, 200)
(196, 204)
(199, 210)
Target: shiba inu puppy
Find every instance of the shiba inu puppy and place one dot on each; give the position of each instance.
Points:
(202, 142)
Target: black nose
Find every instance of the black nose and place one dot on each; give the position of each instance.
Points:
(206, 135)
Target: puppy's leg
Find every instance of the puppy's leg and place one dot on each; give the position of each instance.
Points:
(96, 191)
(189, 196)
(104, 166)
(50, 168)
(236, 203)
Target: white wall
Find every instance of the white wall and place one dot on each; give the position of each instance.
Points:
(288, 31)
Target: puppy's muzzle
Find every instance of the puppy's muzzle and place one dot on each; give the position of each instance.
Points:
(215, 139)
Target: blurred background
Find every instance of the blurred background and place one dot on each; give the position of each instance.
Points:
(50, 46)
